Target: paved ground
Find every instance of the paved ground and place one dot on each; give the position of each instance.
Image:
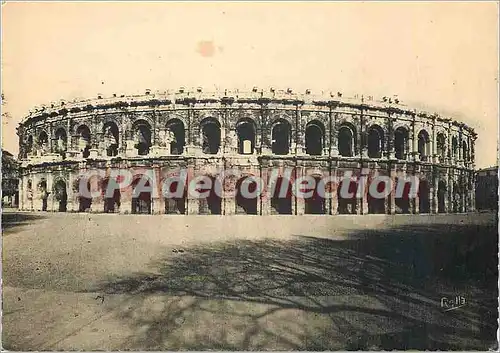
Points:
(109, 282)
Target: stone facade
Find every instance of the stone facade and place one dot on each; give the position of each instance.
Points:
(255, 132)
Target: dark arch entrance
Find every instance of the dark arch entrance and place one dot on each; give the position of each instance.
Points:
(315, 204)
(212, 204)
(375, 141)
(61, 195)
(403, 202)
(142, 137)
(141, 201)
(245, 205)
(112, 197)
(346, 141)
(176, 126)
(376, 205)
(245, 130)
(111, 138)
(282, 205)
(210, 130)
(347, 205)
(175, 205)
(314, 138)
(457, 198)
(281, 134)
(84, 203)
(442, 189)
(42, 186)
(424, 205)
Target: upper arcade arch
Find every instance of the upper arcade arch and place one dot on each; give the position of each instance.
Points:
(375, 141)
(246, 131)
(176, 136)
(210, 130)
(424, 145)
(347, 140)
(315, 138)
(281, 137)
(401, 142)
(142, 136)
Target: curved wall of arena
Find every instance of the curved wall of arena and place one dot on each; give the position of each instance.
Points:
(258, 133)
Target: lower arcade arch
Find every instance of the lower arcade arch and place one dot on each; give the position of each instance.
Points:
(442, 192)
(141, 199)
(424, 205)
(402, 196)
(377, 203)
(281, 198)
(175, 200)
(456, 198)
(316, 203)
(347, 203)
(111, 194)
(84, 201)
(42, 188)
(246, 197)
(211, 204)
(61, 195)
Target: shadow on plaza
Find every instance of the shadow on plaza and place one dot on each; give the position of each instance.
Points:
(401, 274)
(12, 220)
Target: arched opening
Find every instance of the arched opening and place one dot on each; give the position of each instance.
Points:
(465, 152)
(212, 203)
(424, 149)
(61, 142)
(454, 147)
(61, 195)
(177, 138)
(315, 136)
(281, 135)
(457, 198)
(375, 141)
(83, 133)
(442, 190)
(42, 188)
(316, 203)
(281, 199)
(175, 205)
(376, 205)
(246, 201)
(402, 199)
(210, 130)
(401, 142)
(424, 205)
(441, 147)
(111, 138)
(142, 137)
(29, 146)
(141, 199)
(245, 129)
(112, 196)
(43, 142)
(347, 204)
(84, 202)
(346, 141)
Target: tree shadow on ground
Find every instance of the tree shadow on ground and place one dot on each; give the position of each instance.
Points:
(11, 220)
(375, 290)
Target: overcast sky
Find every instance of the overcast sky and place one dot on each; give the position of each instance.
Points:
(442, 56)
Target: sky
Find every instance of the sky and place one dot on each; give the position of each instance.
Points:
(441, 56)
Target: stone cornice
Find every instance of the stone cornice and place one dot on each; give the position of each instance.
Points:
(228, 98)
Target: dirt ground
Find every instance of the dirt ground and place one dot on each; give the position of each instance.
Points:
(111, 282)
